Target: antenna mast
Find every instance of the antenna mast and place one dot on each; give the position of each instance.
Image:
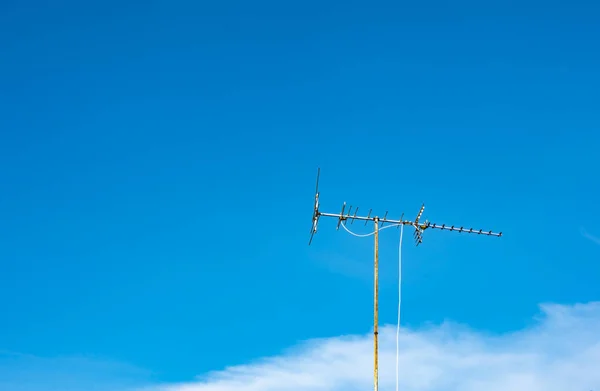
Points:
(419, 227)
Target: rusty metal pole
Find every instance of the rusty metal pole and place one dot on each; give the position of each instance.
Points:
(376, 317)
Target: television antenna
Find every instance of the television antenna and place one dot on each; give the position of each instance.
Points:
(419, 227)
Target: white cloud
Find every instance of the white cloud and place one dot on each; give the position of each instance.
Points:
(560, 352)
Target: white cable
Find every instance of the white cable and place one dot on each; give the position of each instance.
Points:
(399, 304)
(369, 234)
(399, 289)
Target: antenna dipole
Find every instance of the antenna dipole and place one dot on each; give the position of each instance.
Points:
(419, 227)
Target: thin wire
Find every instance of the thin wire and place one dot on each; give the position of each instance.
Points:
(399, 304)
(399, 289)
(369, 234)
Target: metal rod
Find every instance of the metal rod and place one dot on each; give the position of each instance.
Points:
(365, 218)
(408, 222)
(384, 218)
(355, 212)
(376, 311)
(341, 216)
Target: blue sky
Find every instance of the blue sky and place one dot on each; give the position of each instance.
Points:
(158, 165)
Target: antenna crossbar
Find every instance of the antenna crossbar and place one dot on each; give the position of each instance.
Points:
(422, 226)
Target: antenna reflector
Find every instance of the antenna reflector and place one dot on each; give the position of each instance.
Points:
(316, 213)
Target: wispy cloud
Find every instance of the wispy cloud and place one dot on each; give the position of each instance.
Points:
(589, 236)
(561, 352)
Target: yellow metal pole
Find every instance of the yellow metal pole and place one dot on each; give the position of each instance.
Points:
(376, 320)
